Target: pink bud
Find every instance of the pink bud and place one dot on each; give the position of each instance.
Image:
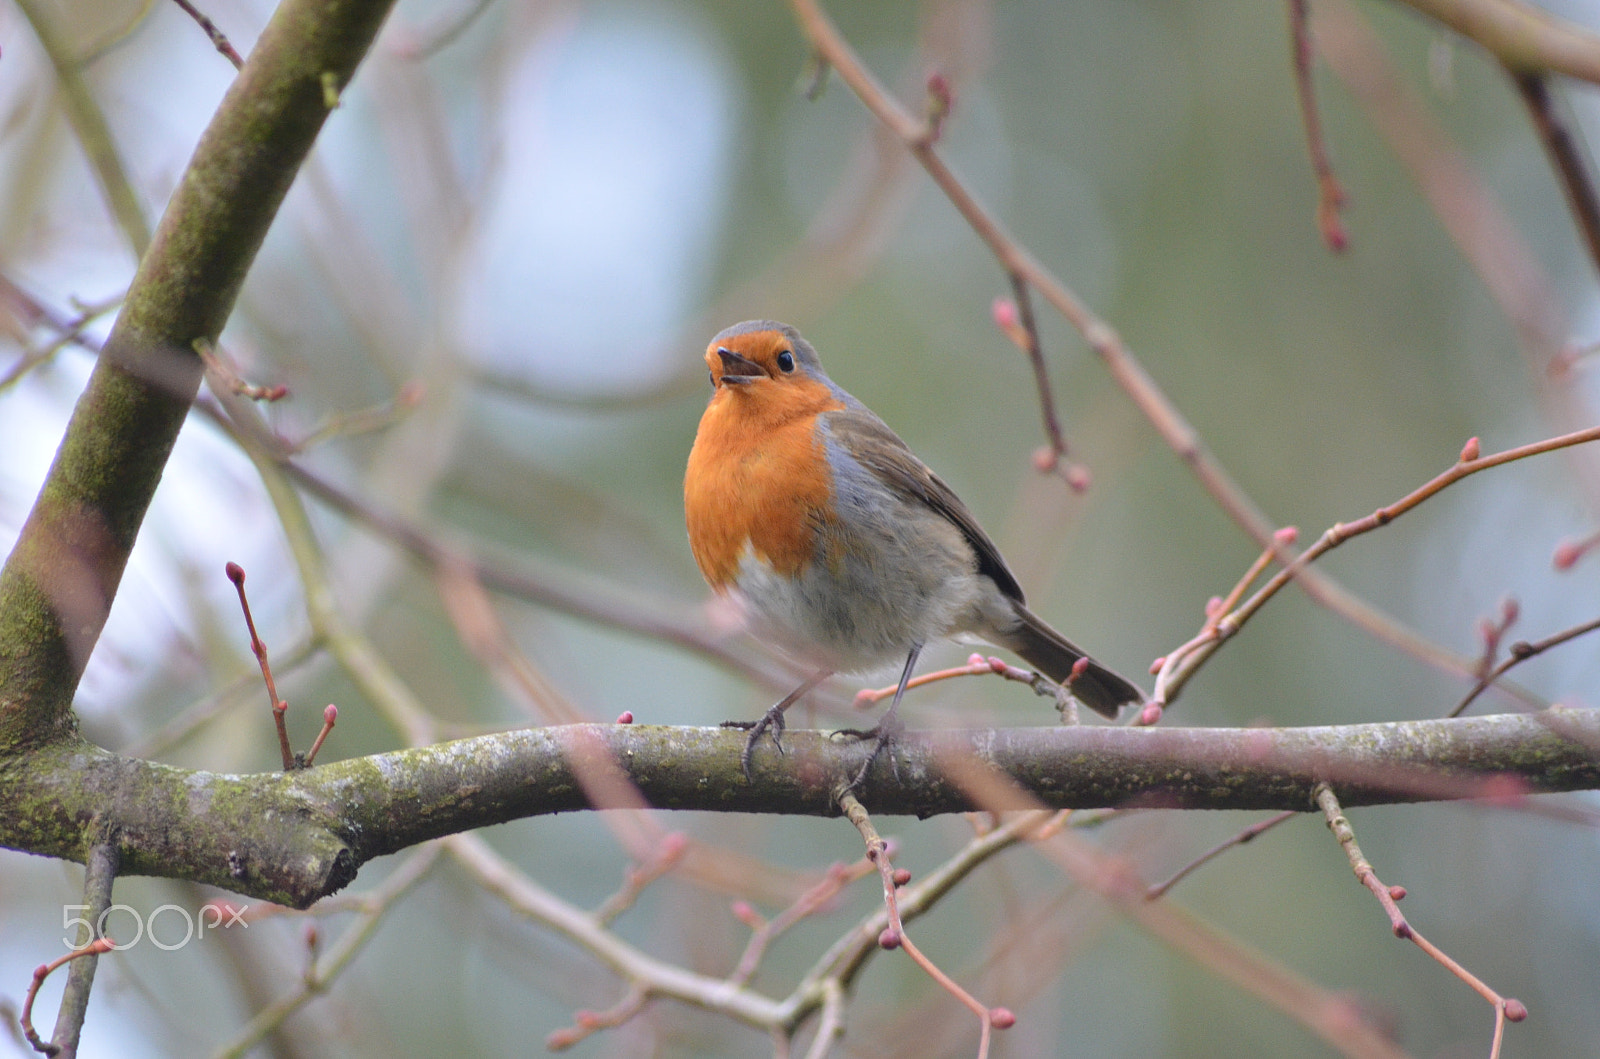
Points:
(235, 573)
(889, 938)
(1334, 235)
(330, 715)
(1286, 534)
(1002, 1018)
(1470, 451)
(625, 717)
(1004, 311)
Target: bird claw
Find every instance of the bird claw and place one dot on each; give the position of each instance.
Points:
(771, 721)
(883, 735)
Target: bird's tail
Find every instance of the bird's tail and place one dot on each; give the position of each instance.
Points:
(1054, 655)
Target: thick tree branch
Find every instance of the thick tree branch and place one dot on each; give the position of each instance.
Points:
(58, 583)
(295, 837)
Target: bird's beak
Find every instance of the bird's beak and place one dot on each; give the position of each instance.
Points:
(736, 369)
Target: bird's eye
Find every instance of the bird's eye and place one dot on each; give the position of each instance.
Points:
(786, 362)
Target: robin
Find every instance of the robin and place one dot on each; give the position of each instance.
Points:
(842, 547)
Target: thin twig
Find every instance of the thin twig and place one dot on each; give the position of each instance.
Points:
(66, 331)
(43, 971)
(765, 932)
(90, 125)
(1218, 625)
(977, 666)
(1506, 1008)
(218, 40)
(279, 707)
(1023, 330)
(1159, 890)
(1520, 652)
(894, 934)
(1330, 195)
(1469, 463)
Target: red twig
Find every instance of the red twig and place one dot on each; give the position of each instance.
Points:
(1330, 195)
(1506, 1008)
(217, 38)
(279, 707)
(1159, 890)
(43, 971)
(1015, 318)
(1520, 652)
(894, 935)
(1470, 462)
(330, 717)
(976, 666)
(586, 1022)
(1220, 624)
(817, 898)
(668, 854)
(219, 370)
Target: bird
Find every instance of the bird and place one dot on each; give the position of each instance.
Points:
(841, 547)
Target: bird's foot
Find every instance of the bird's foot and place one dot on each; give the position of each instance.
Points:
(771, 721)
(883, 736)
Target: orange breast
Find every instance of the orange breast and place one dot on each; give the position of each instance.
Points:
(757, 475)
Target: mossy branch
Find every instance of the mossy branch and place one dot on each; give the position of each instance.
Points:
(293, 837)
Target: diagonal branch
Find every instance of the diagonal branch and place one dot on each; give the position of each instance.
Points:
(57, 585)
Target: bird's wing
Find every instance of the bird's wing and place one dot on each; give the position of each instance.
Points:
(881, 451)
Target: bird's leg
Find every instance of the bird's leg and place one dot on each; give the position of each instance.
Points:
(772, 720)
(889, 726)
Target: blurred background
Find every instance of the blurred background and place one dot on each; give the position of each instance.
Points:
(488, 295)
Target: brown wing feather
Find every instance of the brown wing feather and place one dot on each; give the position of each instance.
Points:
(880, 449)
